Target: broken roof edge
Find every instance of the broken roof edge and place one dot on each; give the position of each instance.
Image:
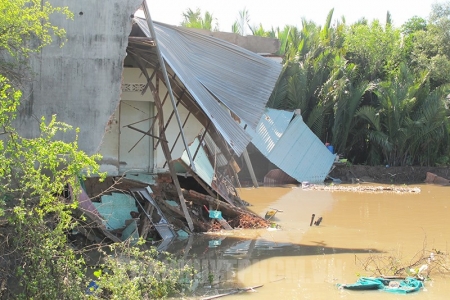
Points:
(263, 44)
(241, 79)
(236, 138)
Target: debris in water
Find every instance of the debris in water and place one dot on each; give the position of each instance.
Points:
(247, 221)
(366, 188)
(312, 219)
(319, 220)
(271, 213)
(235, 291)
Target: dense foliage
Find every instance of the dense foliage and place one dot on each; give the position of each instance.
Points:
(378, 93)
(39, 177)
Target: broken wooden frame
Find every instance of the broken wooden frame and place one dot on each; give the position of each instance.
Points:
(224, 177)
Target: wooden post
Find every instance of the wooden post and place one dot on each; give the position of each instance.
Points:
(164, 143)
(250, 167)
(167, 155)
(166, 79)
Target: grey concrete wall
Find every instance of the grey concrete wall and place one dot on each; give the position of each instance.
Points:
(81, 81)
(253, 43)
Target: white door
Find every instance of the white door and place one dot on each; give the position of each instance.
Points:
(135, 148)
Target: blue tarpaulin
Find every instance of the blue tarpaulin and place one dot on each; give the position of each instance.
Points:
(397, 286)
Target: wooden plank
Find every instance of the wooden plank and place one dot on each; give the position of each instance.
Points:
(164, 144)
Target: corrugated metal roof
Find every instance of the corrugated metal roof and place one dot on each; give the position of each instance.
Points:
(220, 159)
(212, 69)
(295, 149)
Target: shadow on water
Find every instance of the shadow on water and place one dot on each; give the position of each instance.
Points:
(225, 247)
(217, 259)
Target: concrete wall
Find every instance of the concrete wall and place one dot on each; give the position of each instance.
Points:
(80, 82)
(253, 43)
(119, 150)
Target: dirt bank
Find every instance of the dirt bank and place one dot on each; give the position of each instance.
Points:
(390, 175)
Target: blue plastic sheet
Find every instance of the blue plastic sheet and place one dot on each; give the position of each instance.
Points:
(396, 286)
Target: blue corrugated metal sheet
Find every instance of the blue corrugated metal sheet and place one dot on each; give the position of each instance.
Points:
(213, 69)
(271, 127)
(295, 149)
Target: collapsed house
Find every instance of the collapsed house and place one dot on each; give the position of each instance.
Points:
(183, 97)
(179, 107)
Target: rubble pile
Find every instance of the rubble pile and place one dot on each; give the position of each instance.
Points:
(125, 210)
(248, 222)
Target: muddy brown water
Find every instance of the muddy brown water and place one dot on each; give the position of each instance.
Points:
(300, 261)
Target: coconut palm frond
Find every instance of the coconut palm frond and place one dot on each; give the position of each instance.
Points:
(371, 115)
(315, 120)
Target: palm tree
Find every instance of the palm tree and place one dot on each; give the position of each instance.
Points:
(194, 19)
(239, 26)
(307, 81)
(409, 124)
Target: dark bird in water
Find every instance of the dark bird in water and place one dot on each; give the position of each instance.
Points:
(317, 223)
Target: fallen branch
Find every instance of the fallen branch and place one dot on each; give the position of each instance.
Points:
(233, 292)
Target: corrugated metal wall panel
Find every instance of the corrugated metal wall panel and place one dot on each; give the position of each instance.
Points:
(211, 68)
(271, 127)
(301, 154)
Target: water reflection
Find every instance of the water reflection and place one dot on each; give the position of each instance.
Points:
(306, 262)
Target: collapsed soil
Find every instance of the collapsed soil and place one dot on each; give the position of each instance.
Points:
(386, 175)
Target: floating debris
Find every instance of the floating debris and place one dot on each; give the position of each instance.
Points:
(319, 220)
(271, 213)
(312, 219)
(365, 189)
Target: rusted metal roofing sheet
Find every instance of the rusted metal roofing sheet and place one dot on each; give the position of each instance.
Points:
(295, 149)
(214, 70)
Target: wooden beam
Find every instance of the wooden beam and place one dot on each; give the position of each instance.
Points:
(166, 79)
(178, 136)
(164, 144)
(189, 103)
(201, 141)
(168, 121)
(144, 132)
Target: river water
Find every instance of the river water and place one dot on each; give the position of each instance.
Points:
(299, 261)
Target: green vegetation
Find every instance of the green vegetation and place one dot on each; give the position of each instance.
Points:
(376, 92)
(135, 273)
(37, 261)
(194, 19)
